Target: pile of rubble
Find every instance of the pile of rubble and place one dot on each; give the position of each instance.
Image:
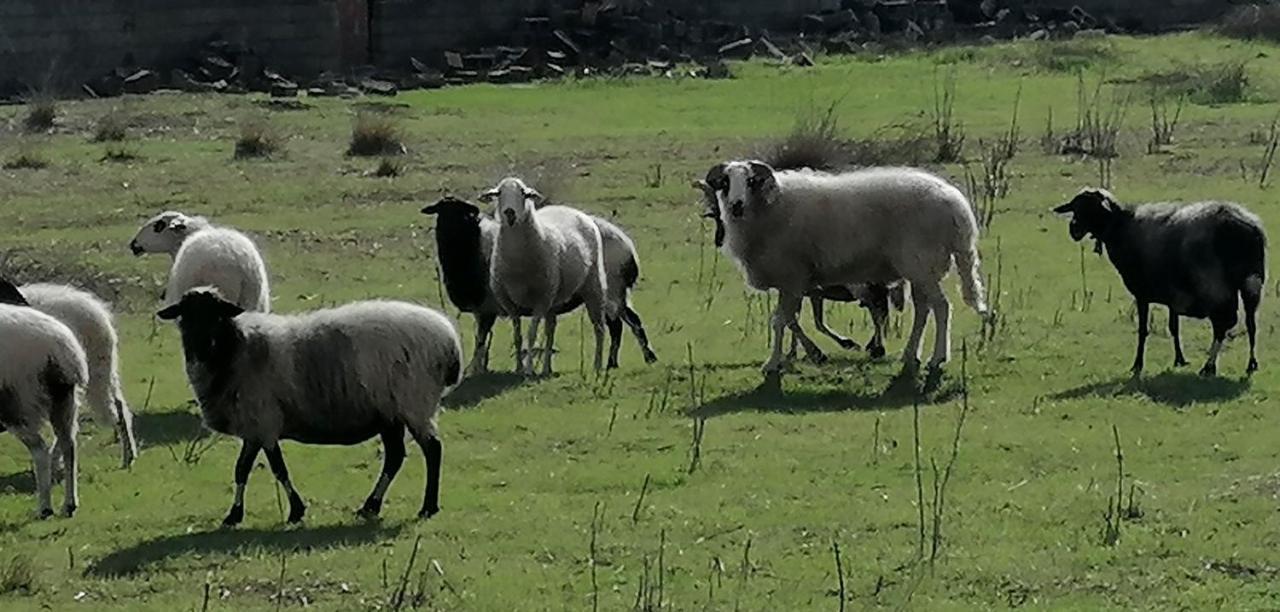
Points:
(602, 39)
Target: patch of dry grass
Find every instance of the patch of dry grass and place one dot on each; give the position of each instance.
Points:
(375, 134)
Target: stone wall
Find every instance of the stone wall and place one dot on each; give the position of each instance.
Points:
(74, 40)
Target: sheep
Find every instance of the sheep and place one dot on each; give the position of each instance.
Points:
(796, 230)
(336, 376)
(43, 368)
(542, 258)
(90, 320)
(205, 254)
(464, 248)
(1199, 260)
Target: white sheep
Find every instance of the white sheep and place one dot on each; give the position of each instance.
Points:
(464, 248)
(206, 255)
(42, 370)
(90, 320)
(336, 376)
(543, 258)
(795, 230)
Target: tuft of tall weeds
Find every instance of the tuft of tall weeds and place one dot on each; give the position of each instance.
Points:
(375, 135)
(948, 132)
(1100, 115)
(815, 141)
(17, 576)
(257, 139)
(42, 113)
(27, 156)
(111, 127)
(1163, 122)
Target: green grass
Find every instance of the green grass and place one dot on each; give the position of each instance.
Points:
(781, 477)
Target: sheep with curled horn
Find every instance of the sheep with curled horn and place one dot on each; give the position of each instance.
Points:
(1200, 260)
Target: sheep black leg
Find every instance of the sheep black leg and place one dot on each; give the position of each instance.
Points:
(276, 459)
(1222, 323)
(632, 319)
(1251, 299)
(1144, 316)
(244, 465)
(615, 340)
(820, 322)
(392, 458)
(434, 453)
(484, 334)
(1178, 359)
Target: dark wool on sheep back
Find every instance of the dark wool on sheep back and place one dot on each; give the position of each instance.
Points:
(462, 262)
(1200, 260)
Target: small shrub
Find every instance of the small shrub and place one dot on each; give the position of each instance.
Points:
(26, 157)
(42, 112)
(111, 127)
(813, 142)
(120, 154)
(1223, 83)
(17, 576)
(257, 139)
(1252, 21)
(375, 134)
(948, 131)
(388, 167)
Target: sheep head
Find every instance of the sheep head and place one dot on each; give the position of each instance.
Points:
(454, 211)
(163, 233)
(743, 186)
(205, 319)
(9, 294)
(516, 201)
(1093, 213)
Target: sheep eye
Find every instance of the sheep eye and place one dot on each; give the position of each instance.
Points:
(158, 226)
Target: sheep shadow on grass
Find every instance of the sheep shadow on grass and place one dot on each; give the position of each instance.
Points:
(143, 556)
(1176, 389)
(902, 391)
(476, 389)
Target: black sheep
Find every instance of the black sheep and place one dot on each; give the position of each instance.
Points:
(1200, 260)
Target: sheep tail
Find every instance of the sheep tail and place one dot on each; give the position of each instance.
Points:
(969, 266)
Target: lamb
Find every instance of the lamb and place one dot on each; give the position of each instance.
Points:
(464, 247)
(336, 376)
(876, 298)
(1200, 260)
(91, 322)
(543, 258)
(205, 254)
(796, 230)
(43, 368)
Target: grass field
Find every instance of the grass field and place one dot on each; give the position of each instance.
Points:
(575, 492)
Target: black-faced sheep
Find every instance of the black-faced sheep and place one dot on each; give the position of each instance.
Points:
(206, 255)
(796, 230)
(336, 376)
(90, 320)
(42, 370)
(1200, 260)
(464, 247)
(542, 258)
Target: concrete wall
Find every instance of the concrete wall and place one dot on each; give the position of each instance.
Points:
(74, 40)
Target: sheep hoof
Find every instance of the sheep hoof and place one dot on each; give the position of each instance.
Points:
(1180, 362)
(650, 357)
(296, 512)
(427, 513)
(875, 351)
(371, 509)
(44, 513)
(1253, 366)
(69, 510)
(613, 364)
(1209, 369)
(847, 344)
(234, 517)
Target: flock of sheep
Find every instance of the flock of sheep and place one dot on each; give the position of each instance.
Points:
(380, 368)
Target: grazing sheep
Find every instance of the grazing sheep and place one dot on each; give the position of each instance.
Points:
(335, 376)
(90, 320)
(796, 230)
(874, 297)
(542, 258)
(43, 367)
(207, 255)
(464, 247)
(1200, 260)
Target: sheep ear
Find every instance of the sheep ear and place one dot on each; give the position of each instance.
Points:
(532, 194)
(759, 168)
(432, 209)
(178, 225)
(228, 310)
(171, 312)
(488, 196)
(9, 294)
(1066, 208)
(717, 178)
